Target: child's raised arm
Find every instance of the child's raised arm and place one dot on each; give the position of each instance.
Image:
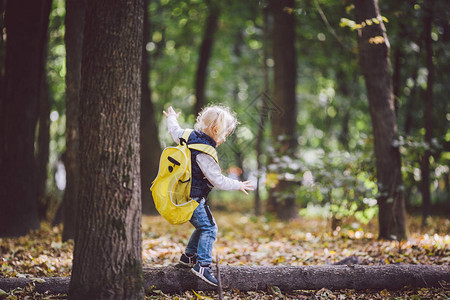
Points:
(172, 124)
(171, 112)
(213, 173)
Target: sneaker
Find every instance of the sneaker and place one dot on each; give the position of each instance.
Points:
(204, 273)
(187, 260)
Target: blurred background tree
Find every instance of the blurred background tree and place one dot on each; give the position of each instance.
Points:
(22, 108)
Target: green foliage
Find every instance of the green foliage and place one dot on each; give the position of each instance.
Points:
(333, 120)
(412, 149)
(56, 71)
(344, 183)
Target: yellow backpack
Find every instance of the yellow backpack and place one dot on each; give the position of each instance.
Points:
(172, 186)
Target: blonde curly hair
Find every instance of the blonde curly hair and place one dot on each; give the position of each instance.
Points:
(217, 117)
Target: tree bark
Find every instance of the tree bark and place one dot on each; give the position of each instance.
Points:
(205, 55)
(43, 136)
(399, 56)
(23, 66)
(150, 146)
(43, 145)
(375, 65)
(264, 113)
(428, 113)
(285, 78)
(287, 278)
(2, 51)
(345, 109)
(107, 261)
(396, 78)
(410, 105)
(74, 23)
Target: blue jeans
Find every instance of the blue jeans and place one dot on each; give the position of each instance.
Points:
(204, 235)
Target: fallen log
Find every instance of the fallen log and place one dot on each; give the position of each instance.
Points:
(173, 279)
(54, 285)
(288, 278)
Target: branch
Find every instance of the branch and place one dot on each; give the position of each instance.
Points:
(329, 27)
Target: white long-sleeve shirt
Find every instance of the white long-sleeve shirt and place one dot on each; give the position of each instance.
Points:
(206, 162)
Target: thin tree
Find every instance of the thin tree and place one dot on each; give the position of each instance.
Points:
(43, 147)
(26, 29)
(107, 261)
(373, 46)
(150, 146)
(74, 26)
(43, 134)
(428, 115)
(205, 54)
(281, 200)
(264, 113)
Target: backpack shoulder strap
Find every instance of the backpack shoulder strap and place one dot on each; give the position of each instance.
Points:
(200, 147)
(184, 138)
(205, 149)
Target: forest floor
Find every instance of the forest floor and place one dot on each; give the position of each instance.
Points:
(246, 240)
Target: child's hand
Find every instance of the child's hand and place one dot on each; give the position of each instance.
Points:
(171, 112)
(247, 186)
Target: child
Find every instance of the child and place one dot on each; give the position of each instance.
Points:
(214, 124)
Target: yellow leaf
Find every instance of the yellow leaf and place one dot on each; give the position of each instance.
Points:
(3, 294)
(202, 297)
(376, 40)
(288, 10)
(442, 184)
(387, 261)
(349, 8)
(272, 179)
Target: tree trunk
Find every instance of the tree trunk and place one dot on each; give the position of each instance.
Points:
(107, 261)
(264, 113)
(23, 66)
(205, 55)
(397, 77)
(344, 89)
(409, 118)
(150, 146)
(43, 144)
(375, 65)
(287, 278)
(43, 138)
(74, 23)
(344, 135)
(2, 51)
(237, 150)
(428, 115)
(285, 78)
